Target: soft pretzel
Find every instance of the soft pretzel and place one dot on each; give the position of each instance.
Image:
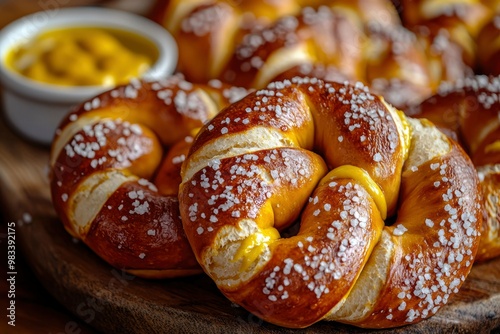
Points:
(206, 30)
(345, 161)
(469, 111)
(488, 46)
(103, 157)
(404, 61)
(473, 14)
(251, 53)
(459, 30)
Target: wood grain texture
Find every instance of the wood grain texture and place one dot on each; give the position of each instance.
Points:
(112, 301)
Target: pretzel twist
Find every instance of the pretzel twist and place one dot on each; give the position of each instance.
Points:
(488, 46)
(256, 51)
(365, 40)
(104, 159)
(459, 30)
(472, 15)
(344, 161)
(469, 111)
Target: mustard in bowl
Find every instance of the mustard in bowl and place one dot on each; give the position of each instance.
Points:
(47, 66)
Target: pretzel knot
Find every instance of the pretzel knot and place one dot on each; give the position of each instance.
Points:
(111, 185)
(388, 207)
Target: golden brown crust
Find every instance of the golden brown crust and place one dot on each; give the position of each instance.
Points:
(103, 156)
(469, 110)
(312, 252)
(320, 71)
(251, 171)
(397, 66)
(168, 176)
(243, 44)
(473, 14)
(313, 36)
(458, 35)
(319, 33)
(430, 266)
(128, 239)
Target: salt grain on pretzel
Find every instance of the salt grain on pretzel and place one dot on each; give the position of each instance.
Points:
(469, 110)
(348, 165)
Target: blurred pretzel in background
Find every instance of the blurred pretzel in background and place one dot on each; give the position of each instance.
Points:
(115, 171)
(401, 57)
(343, 162)
(488, 46)
(469, 111)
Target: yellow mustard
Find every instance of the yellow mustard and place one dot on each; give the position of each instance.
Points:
(83, 56)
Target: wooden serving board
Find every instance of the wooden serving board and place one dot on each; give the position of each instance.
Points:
(114, 302)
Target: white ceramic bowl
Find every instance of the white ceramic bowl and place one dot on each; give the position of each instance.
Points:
(35, 109)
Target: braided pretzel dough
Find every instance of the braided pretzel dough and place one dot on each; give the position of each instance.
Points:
(102, 158)
(470, 111)
(252, 172)
(256, 50)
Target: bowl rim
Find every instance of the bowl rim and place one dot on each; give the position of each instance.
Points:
(29, 26)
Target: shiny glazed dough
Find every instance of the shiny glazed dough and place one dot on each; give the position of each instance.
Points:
(339, 158)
